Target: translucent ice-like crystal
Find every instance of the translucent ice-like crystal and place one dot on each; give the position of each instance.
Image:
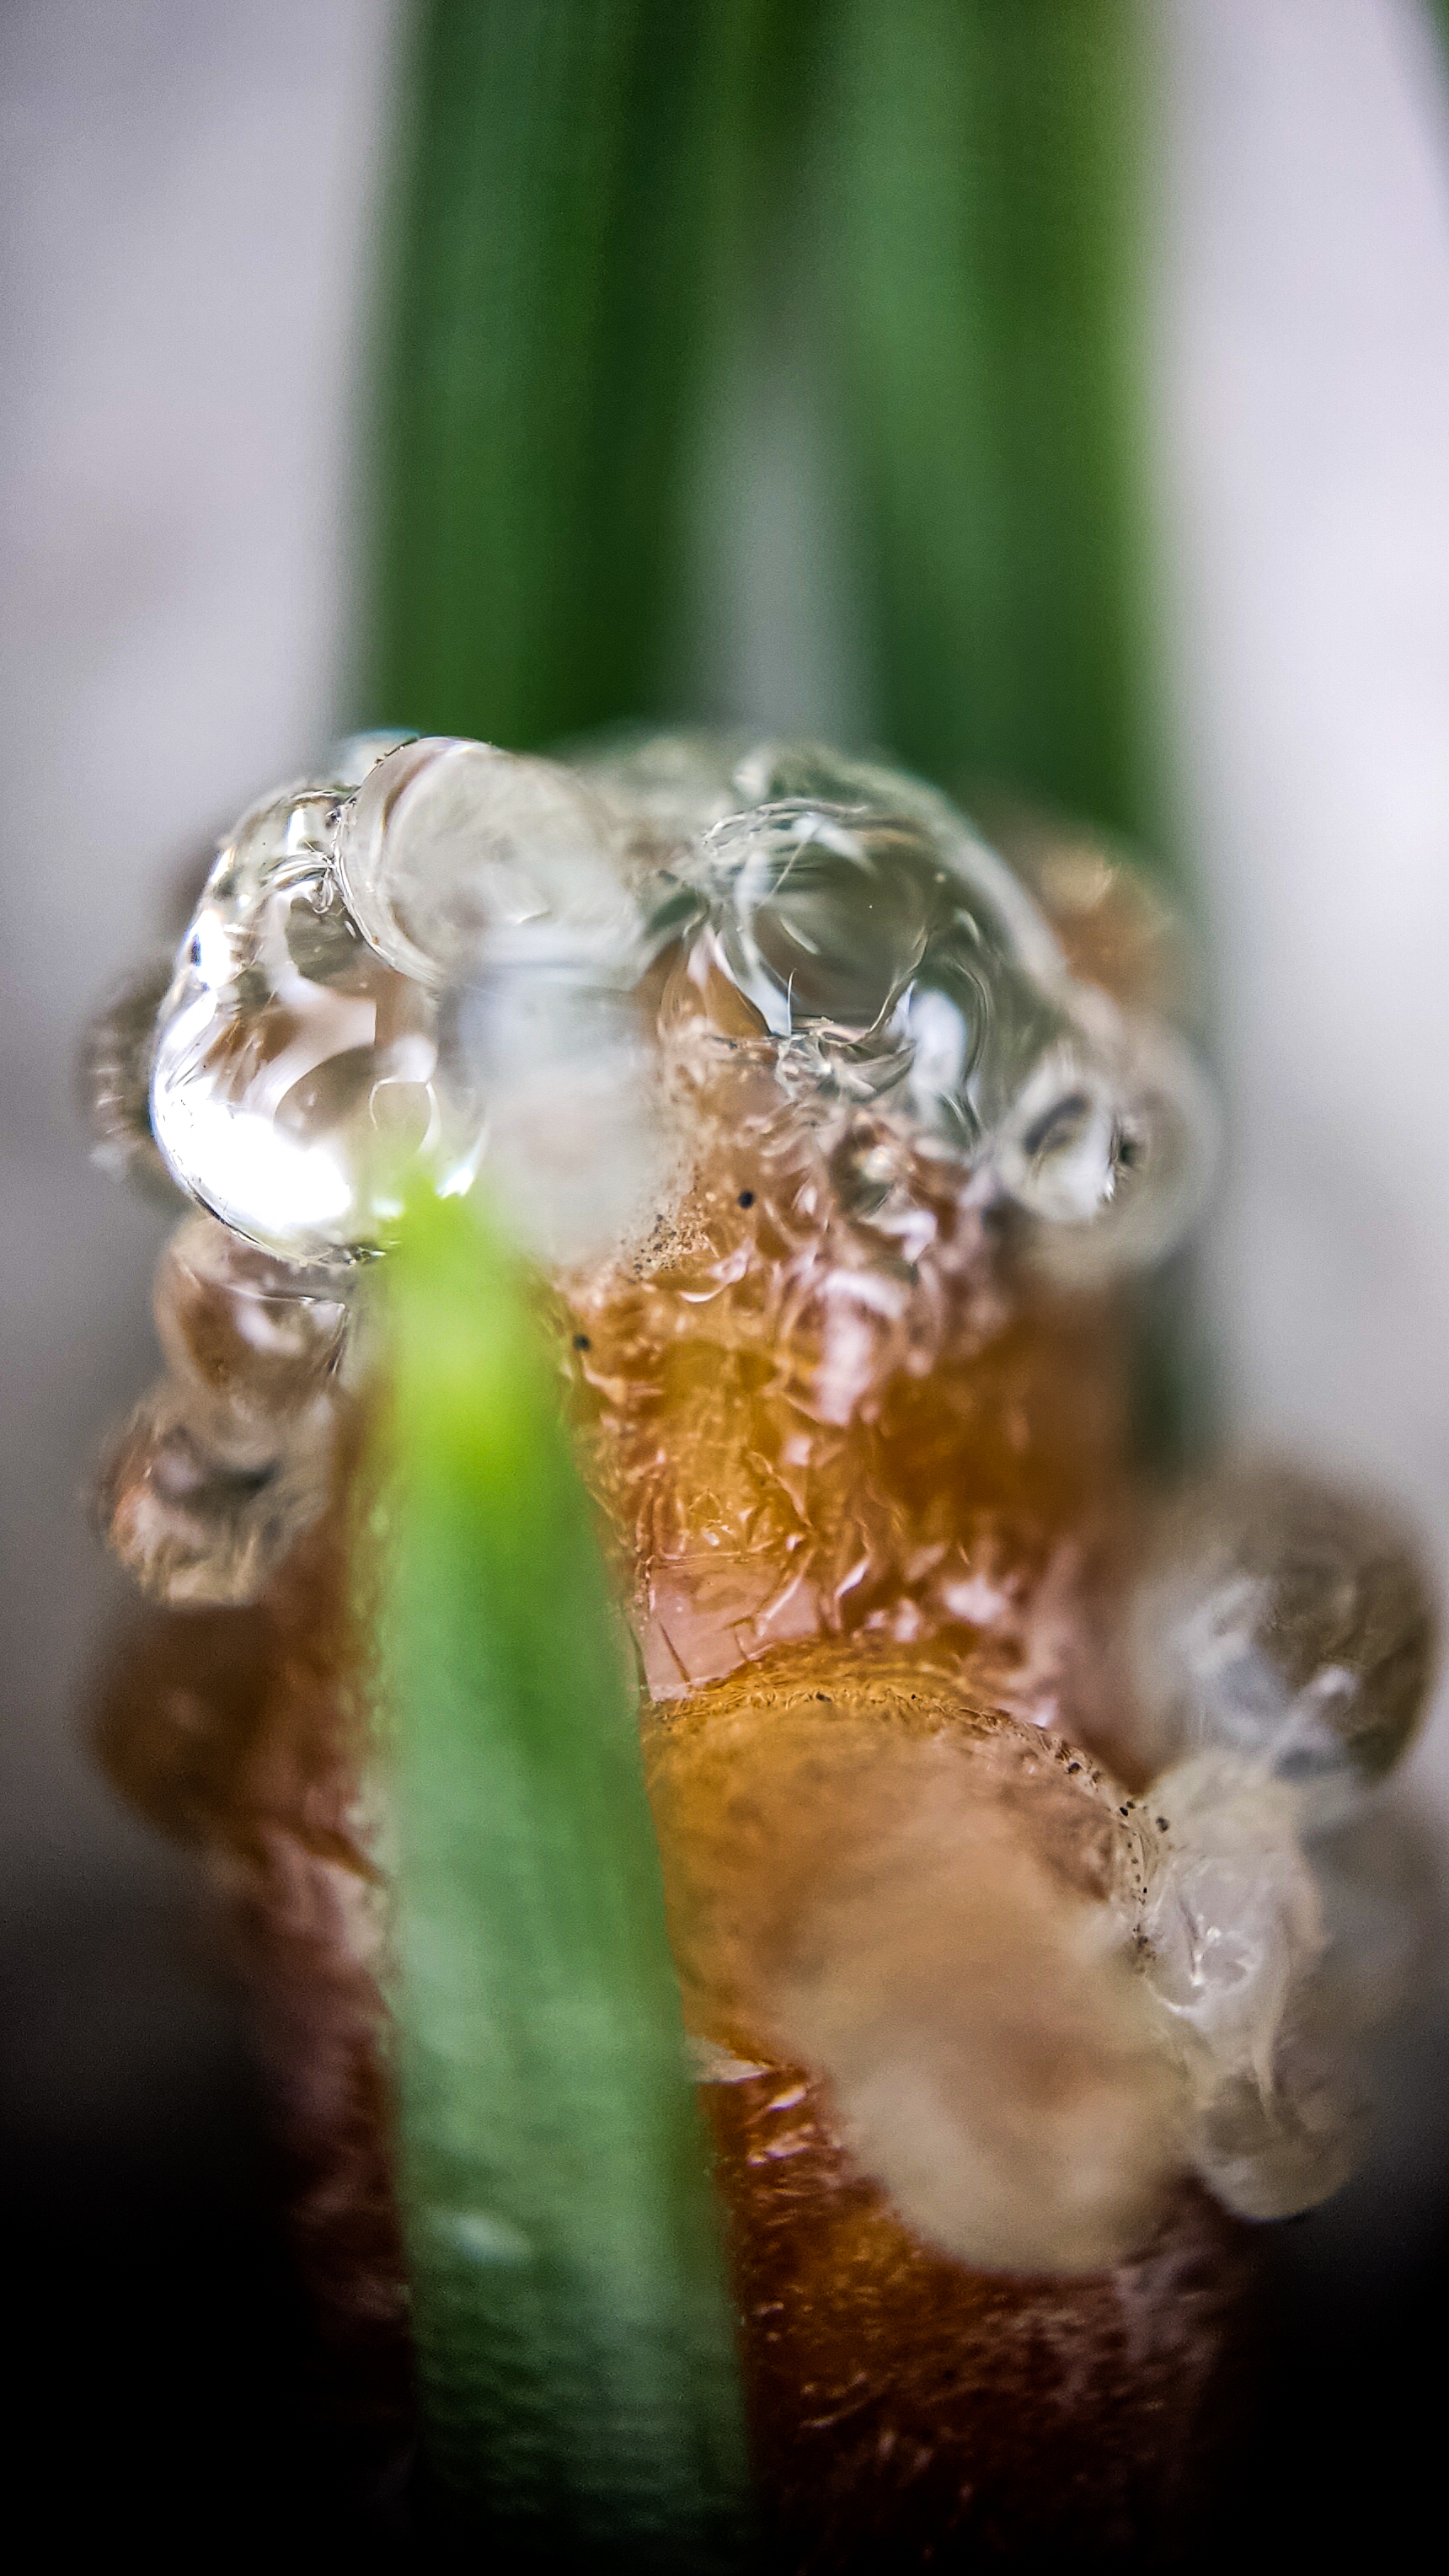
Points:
(1287, 1621)
(450, 847)
(196, 1524)
(251, 1338)
(295, 1073)
(114, 1074)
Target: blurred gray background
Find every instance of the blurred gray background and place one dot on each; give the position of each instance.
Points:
(187, 196)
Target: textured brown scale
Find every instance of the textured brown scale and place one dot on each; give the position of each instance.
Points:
(812, 1418)
(908, 2409)
(908, 2412)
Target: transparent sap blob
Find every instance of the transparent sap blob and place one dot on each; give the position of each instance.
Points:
(510, 878)
(1234, 1937)
(114, 1078)
(1109, 1148)
(1012, 923)
(252, 1339)
(449, 847)
(1287, 1621)
(821, 916)
(338, 771)
(349, 761)
(891, 954)
(1066, 1145)
(676, 786)
(197, 1525)
(296, 1074)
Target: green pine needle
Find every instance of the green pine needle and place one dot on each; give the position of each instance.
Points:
(575, 2342)
(990, 170)
(555, 277)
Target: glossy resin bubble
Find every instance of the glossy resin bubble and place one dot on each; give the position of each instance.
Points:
(1287, 1622)
(296, 1076)
(893, 958)
(449, 844)
(665, 790)
(1235, 1940)
(253, 1339)
(839, 911)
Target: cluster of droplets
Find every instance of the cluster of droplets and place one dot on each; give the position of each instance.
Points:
(851, 918)
(1282, 1650)
(383, 955)
(435, 955)
(431, 952)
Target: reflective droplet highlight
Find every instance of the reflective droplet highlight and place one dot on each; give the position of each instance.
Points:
(450, 845)
(296, 1076)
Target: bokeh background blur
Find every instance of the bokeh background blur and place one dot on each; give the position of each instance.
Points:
(191, 207)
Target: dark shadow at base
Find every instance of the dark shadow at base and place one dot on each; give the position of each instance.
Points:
(164, 2391)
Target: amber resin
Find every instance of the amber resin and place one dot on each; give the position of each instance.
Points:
(855, 1411)
(243, 1733)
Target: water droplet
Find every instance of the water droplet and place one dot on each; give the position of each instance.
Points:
(449, 848)
(195, 1526)
(286, 1048)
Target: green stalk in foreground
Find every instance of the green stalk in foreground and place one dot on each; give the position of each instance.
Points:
(579, 2384)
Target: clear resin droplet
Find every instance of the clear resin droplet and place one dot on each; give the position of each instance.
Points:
(296, 1075)
(355, 756)
(664, 790)
(1234, 1943)
(250, 1337)
(1109, 1150)
(851, 917)
(1290, 1623)
(449, 847)
(195, 1526)
(823, 917)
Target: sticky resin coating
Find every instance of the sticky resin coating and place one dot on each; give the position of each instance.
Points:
(840, 1146)
(294, 1074)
